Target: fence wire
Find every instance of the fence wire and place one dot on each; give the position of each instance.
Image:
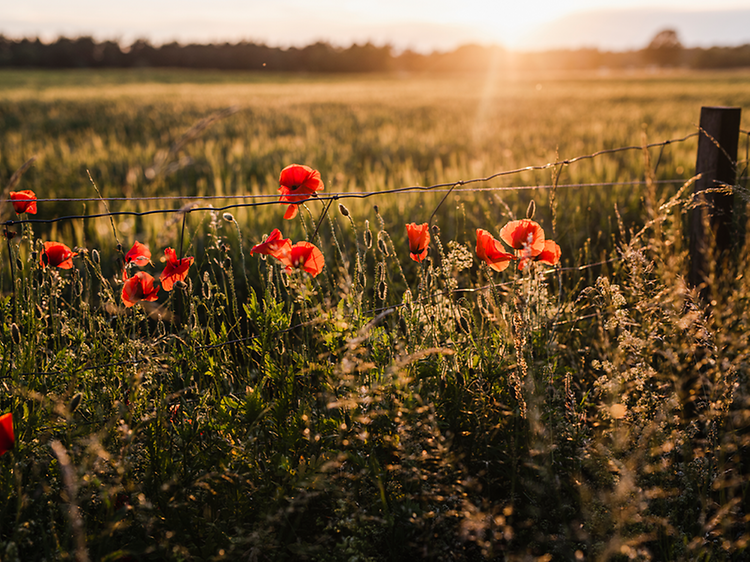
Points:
(271, 199)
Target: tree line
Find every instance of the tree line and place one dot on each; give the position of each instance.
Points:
(664, 50)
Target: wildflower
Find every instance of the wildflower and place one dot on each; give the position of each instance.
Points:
(492, 251)
(525, 236)
(275, 245)
(7, 438)
(550, 255)
(24, 201)
(304, 255)
(298, 183)
(175, 270)
(138, 254)
(419, 239)
(138, 288)
(57, 255)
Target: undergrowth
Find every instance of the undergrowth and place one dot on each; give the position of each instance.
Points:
(379, 411)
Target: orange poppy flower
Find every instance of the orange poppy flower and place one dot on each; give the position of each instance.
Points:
(275, 245)
(304, 255)
(419, 239)
(175, 270)
(525, 236)
(492, 251)
(139, 287)
(550, 255)
(24, 201)
(298, 183)
(57, 255)
(138, 254)
(7, 438)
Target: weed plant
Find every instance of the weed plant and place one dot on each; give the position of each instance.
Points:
(384, 409)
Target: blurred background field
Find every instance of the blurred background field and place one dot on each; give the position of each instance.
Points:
(384, 410)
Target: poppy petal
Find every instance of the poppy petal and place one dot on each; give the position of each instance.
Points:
(491, 251)
(139, 287)
(526, 235)
(7, 437)
(138, 254)
(57, 255)
(175, 270)
(23, 201)
(419, 240)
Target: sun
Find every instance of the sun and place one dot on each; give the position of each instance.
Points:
(508, 23)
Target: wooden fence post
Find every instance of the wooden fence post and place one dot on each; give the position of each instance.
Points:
(716, 162)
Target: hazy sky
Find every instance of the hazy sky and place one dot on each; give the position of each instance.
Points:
(418, 24)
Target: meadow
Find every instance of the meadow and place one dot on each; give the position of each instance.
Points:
(383, 408)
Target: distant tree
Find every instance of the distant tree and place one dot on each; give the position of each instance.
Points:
(665, 49)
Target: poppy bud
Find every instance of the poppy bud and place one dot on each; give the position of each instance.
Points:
(367, 236)
(75, 402)
(531, 210)
(227, 263)
(435, 229)
(179, 284)
(119, 247)
(229, 217)
(15, 334)
(95, 256)
(382, 290)
(377, 209)
(382, 247)
(343, 210)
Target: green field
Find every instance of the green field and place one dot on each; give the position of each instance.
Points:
(384, 409)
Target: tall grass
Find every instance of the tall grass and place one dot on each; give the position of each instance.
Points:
(385, 409)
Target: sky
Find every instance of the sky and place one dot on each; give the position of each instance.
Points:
(422, 25)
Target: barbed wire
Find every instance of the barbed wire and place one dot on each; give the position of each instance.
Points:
(459, 185)
(343, 194)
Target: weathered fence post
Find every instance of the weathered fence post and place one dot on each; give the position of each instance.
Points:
(716, 162)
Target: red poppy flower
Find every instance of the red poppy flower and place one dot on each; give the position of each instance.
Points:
(138, 254)
(525, 236)
(175, 270)
(139, 287)
(304, 255)
(550, 255)
(275, 245)
(24, 201)
(7, 438)
(57, 255)
(419, 239)
(492, 251)
(298, 183)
